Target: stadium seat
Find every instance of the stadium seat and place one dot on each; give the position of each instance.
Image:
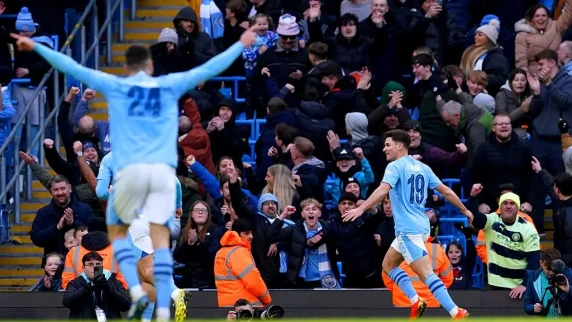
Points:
(479, 275)
(342, 275)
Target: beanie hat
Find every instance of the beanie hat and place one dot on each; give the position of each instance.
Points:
(287, 26)
(348, 196)
(266, 198)
(168, 35)
(510, 196)
(485, 102)
(241, 226)
(488, 18)
(346, 182)
(88, 145)
(491, 30)
(24, 22)
(391, 87)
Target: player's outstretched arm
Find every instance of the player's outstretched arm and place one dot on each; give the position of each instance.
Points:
(375, 198)
(186, 81)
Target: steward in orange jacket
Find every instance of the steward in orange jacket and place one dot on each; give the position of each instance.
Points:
(94, 241)
(441, 267)
(482, 244)
(236, 276)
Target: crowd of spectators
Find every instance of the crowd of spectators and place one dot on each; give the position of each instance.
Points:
(484, 90)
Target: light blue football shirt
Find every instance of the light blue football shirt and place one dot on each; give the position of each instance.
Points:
(409, 180)
(143, 109)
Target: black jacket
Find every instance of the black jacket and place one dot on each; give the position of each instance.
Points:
(36, 65)
(497, 68)
(265, 234)
(313, 123)
(197, 48)
(199, 259)
(294, 242)
(81, 299)
(313, 176)
(498, 163)
(165, 62)
(45, 233)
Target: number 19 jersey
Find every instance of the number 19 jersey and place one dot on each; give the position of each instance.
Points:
(409, 180)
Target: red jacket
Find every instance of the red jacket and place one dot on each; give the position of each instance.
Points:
(197, 141)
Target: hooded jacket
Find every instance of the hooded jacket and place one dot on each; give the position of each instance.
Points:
(165, 62)
(197, 141)
(197, 47)
(313, 123)
(236, 275)
(94, 241)
(530, 42)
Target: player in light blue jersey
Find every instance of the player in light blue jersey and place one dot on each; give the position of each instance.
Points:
(407, 181)
(144, 110)
(141, 244)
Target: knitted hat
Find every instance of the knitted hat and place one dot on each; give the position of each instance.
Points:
(486, 19)
(24, 22)
(266, 198)
(485, 102)
(168, 35)
(510, 196)
(491, 30)
(346, 182)
(412, 125)
(287, 26)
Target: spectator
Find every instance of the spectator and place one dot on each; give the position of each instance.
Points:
(318, 53)
(485, 55)
(194, 139)
(96, 292)
(441, 268)
(95, 241)
(79, 233)
(52, 280)
(198, 245)
(88, 129)
(390, 114)
(69, 239)
(271, 8)
(226, 138)
(277, 113)
(236, 275)
(235, 23)
(477, 81)
(565, 56)
(239, 305)
(284, 136)
(6, 113)
(304, 259)
(265, 39)
(195, 46)
(311, 170)
(473, 123)
(463, 262)
(166, 56)
(538, 299)
(537, 32)
(346, 168)
(63, 213)
(508, 234)
(552, 99)
(287, 188)
(514, 99)
(503, 158)
(505, 35)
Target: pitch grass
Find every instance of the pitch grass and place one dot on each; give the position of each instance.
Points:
(435, 319)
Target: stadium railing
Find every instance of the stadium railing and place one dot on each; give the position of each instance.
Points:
(90, 49)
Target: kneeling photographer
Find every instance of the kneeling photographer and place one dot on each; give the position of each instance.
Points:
(243, 310)
(547, 289)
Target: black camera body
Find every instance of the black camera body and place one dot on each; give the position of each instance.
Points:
(270, 313)
(556, 279)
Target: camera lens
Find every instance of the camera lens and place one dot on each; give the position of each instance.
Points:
(244, 315)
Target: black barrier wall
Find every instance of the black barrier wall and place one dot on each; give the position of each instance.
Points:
(297, 303)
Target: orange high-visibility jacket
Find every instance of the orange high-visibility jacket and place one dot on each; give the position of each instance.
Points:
(74, 267)
(441, 267)
(482, 244)
(236, 276)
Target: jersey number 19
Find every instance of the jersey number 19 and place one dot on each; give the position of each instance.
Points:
(417, 188)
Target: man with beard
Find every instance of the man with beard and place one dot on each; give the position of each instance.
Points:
(503, 158)
(62, 214)
(196, 46)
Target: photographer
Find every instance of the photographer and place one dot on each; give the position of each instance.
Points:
(243, 310)
(96, 294)
(547, 289)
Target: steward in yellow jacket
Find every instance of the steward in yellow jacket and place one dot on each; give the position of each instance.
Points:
(236, 276)
(441, 267)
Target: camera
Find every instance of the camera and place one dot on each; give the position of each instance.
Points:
(270, 313)
(556, 279)
(557, 267)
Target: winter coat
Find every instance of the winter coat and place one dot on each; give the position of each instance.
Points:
(496, 66)
(165, 62)
(197, 48)
(508, 102)
(535, 295)
(530, 42)
(197, 141)
(313, 123)
(475, 126)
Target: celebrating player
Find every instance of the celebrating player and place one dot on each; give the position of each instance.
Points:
(407, 180)
(145, 114)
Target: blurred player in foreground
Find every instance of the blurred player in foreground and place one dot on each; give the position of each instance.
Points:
(407, 181)
(145, 114)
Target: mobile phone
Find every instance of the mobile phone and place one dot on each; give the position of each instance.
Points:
(97, 271)
(439, 2)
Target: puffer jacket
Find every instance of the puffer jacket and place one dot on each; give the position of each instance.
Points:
(530, 42)
(236, 275)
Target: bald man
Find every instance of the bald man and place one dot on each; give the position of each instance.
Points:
(88, 126)
(565, 56)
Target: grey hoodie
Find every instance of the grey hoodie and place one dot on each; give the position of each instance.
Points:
(313, 161)
(357, 125)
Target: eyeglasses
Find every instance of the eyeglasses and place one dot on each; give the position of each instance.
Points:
(92, 265)
(200, 211)
(501, 124)
(287, 37)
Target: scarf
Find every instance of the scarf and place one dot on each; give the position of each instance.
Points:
(212, 19)
(540, 285)
(327, 277)
(283, 254)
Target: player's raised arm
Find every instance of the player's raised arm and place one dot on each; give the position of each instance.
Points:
(375, 198)
(95, 79)
(186, 81)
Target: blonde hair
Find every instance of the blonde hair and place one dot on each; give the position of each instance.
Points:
(69, 234)
(479, 77)
(284, 188)
(310, 201)
(470, 56)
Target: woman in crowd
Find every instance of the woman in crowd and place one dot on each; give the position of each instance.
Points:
(199, 242)
(514, 99)
(52, 280)
(485, 55)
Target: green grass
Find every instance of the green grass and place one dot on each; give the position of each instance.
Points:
(471, 319)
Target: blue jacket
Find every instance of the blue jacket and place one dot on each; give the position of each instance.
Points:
(534, 295)
(212, 186)
(6, 115)
(553, 103)
(45, 233)
(365, 177)
(102, 127)
(266, 140)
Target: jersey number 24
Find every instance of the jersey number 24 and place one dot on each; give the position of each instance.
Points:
(146, 101)
(417, 188)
